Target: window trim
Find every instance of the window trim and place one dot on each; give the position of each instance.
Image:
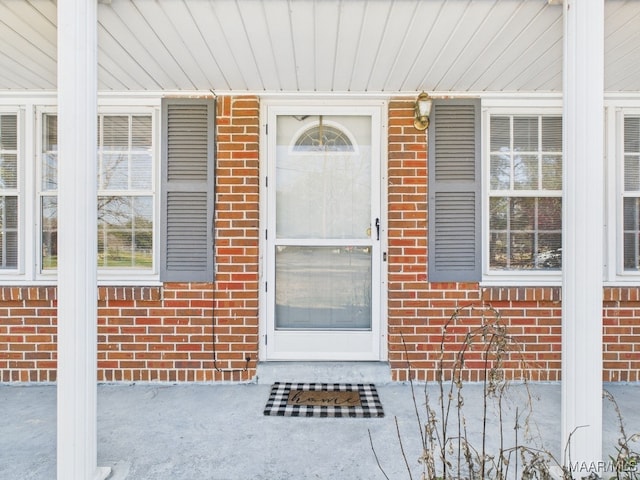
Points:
(614, 257)
(154, 272)
(523, 108)
(37, 168)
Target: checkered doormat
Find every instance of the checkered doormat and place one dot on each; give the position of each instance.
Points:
(324, 400)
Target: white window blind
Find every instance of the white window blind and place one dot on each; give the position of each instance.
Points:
(525, 192)
(9, 191)
(631, 194)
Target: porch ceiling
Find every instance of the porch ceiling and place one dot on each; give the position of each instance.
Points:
(318, 45)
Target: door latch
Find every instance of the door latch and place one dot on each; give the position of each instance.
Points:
(377, 229)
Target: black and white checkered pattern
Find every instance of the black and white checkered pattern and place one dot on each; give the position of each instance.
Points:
(369, 399)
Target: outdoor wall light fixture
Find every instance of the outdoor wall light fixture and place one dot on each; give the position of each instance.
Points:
(422, 110)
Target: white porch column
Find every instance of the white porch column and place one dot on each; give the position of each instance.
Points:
(77, 239)
(583, 207)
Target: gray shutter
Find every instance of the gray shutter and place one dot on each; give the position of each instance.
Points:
(187, 190)
(454, 191)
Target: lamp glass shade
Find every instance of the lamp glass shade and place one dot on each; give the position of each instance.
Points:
(424, 105)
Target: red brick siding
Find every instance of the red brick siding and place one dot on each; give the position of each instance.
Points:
(28, 334)
(166, 333)
(621, 330)
(408, 291)
(237, 236)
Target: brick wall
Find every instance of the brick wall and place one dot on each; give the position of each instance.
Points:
(531, 318)
(237, 236)
(28, 334)
(409, 293)
(621, 331)
(167, 333)
(418, 310)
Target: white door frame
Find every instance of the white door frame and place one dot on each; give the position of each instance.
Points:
(377, 109)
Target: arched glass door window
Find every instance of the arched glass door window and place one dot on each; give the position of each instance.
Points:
(322, 137)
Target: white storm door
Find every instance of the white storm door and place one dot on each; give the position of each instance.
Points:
(323, 237)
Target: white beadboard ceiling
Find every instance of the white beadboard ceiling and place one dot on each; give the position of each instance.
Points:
(343, 46)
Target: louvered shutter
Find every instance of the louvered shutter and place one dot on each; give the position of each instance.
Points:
(187, 190)
(454, 191)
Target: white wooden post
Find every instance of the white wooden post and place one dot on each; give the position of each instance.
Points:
(77, 242)
(583, 207)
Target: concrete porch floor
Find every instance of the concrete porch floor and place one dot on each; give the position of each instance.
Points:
(218, 431)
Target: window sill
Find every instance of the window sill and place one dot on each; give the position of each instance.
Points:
(102, 282)
(521, 278)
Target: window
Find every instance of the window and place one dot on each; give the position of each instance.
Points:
(525, 193)
(631, 193)
(323, 138)
(9, 191)
(125, 192)
(48, 193)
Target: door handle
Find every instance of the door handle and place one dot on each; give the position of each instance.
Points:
(377, 229)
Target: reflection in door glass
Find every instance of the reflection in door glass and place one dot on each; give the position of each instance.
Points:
(323, 288)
